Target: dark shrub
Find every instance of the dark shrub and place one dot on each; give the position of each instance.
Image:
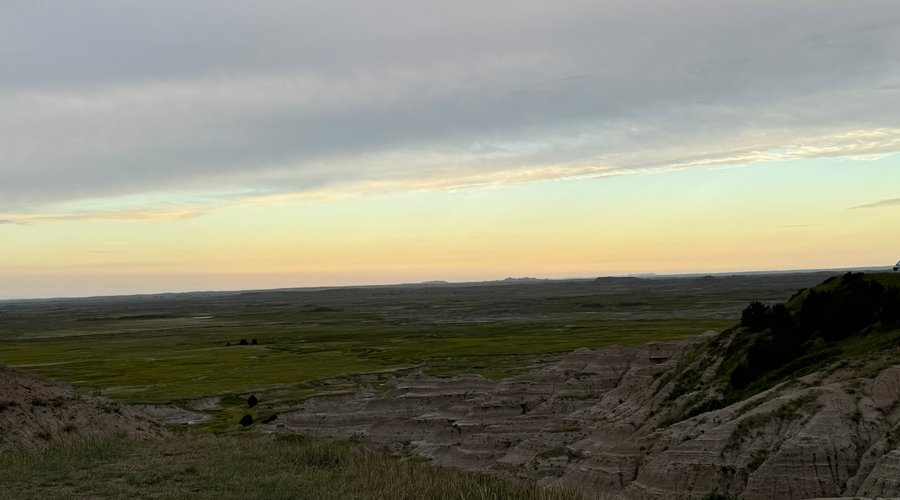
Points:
(741, 376)
(756, 316)
(844, 311)
(252, 401)
(890, 310)
(244, 342)
(781, 321)
(246, 421)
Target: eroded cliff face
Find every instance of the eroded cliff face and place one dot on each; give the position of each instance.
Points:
(825, 435)
(613, 423)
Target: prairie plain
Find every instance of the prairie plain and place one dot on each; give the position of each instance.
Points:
(174, 347)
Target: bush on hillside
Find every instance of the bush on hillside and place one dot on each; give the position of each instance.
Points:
(756, 316)
(779, 344)
(844, 311)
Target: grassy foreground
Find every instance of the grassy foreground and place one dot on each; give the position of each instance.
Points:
(215, 467)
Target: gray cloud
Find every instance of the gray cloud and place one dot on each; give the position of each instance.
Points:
(893, 202)
(111, 99)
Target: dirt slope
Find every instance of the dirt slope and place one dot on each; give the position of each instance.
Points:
(34, 412)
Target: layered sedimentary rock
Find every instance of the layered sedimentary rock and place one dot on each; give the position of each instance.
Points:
(609, 422)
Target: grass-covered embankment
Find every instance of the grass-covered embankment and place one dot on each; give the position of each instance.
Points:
(852, 321)
(214, 467)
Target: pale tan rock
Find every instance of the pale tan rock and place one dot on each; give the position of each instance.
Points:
(35, 412)
(591, 422)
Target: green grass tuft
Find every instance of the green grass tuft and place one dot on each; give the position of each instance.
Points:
(750, 426)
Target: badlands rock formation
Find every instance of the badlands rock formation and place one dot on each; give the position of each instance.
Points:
(35, 412)
(611, 422)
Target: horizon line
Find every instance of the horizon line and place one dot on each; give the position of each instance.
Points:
(441, 282)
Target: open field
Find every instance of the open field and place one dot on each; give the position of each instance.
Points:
(172, 347)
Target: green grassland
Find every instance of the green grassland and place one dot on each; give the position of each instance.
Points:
(172, 347)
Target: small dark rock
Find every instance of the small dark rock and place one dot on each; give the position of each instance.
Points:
(252, 401)
(246, 420)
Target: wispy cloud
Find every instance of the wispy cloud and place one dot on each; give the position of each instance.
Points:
(893, 202)
(150, 215)
(465, 174)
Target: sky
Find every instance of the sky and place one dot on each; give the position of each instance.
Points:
(212, 145)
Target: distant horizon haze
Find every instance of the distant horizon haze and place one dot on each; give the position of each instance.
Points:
(228, 284)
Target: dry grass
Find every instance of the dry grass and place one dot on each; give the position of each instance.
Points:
(264, 467)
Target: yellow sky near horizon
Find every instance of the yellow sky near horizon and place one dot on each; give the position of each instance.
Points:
(338, 143)
(757, 217)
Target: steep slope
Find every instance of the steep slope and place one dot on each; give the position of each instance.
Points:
(35, 412)
(799, 401)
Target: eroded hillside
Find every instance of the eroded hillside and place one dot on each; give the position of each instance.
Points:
(800, 400)
(36, 412)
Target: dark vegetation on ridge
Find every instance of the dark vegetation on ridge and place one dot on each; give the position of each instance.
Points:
(844, 317)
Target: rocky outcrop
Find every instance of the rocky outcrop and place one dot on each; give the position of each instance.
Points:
(611, 422)
(35, 412)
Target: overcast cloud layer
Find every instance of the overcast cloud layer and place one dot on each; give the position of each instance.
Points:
(229, 100)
